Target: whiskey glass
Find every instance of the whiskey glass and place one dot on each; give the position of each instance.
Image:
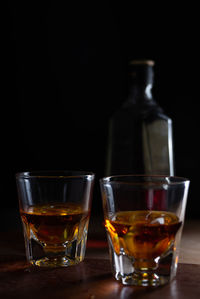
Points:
(55, 210)
(144, 217)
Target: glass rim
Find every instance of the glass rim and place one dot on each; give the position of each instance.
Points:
(169, 180)
(62, 174)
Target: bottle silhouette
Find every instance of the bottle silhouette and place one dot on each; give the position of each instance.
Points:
(140, 135)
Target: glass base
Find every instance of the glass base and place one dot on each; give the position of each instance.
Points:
(54, 262)
(144, 279)
(61, 250)
(124, 271)
(70, 253)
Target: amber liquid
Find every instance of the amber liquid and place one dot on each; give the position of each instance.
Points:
(55, 224)
(144, 235)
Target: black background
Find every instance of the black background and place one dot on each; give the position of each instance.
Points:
(65, 72)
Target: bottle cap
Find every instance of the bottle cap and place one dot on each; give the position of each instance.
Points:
(141, 72)
(142, 62)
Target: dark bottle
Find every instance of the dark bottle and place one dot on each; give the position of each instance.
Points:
(140, 134)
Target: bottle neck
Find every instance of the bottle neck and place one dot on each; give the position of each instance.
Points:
(140, 83)
(140, 93)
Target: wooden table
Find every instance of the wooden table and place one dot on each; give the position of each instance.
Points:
(92, 279)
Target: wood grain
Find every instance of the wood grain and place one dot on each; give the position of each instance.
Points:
(91, 279)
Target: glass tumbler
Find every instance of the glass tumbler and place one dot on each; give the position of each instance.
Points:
(144, 217)
(55, 209)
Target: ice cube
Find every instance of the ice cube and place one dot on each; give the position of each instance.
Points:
(159, 220)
